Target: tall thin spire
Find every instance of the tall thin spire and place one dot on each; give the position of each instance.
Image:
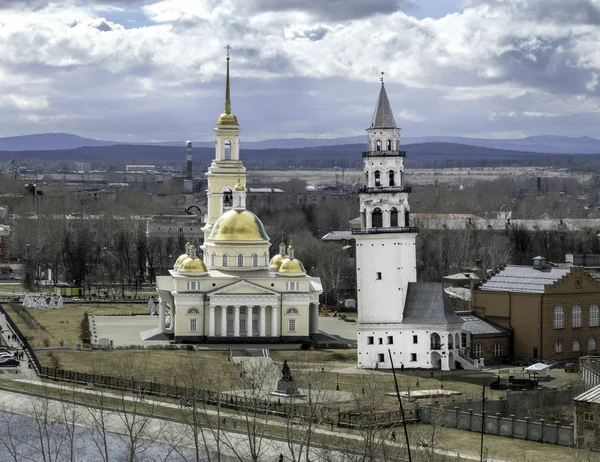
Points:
(227, 92)
(383, 117)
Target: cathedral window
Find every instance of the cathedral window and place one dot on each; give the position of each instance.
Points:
(292, 311)
(224, 260)
(406, 218)
(377, 218)
(240, 260)
(291, 325)
(388, 145)
(254, 260)
(193, 325)
(378, 144)
(391, 178)
(393, 217)
(377, 178)
(227, 147)
(266, 259)
(193, 285)
(212, 259)
(193, 311)
(367, 179)
(243, 310)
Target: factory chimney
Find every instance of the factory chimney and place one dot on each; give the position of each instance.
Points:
(188, 174)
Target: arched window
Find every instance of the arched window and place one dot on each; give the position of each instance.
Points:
(227, 198)
(212, 259)
(292, 311)
(266, 259)
(576, 347)
(450, 342)
(406, 218)
(377, 218)
(594, 315)
(193, 311)
(435, 342)
(559, 317)
(388, 145)
(456, 341)
(558, 347)
(363, 219)
(367, 179)
(592, 345)
(227, 150)
(378, 145)
(393, 217)
(391, 179)
(478, 350)
(576, 316)
(377, 178)
(224, 262)
(240, 260)
(254, 260)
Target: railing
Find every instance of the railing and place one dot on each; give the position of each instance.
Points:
(371, 418)
(384, 189)
(435, 346)
(399, 229)
(466, 358)
(384, 154)
(23, 341)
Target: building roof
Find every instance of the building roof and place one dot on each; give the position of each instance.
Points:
(338, 236)
(523, 279)
(477, 325)
(427, 303)
(383, 116)
(590, 396)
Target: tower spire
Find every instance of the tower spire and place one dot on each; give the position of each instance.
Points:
(227, 92)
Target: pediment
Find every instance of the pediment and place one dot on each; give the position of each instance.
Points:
(577, 281)
(243, 288)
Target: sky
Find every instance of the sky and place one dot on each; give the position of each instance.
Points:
(154, 70)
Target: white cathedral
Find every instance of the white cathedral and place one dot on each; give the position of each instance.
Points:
(236, 293)
(413, 320)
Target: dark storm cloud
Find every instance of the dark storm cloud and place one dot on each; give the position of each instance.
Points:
(333, 9)
(543, 11)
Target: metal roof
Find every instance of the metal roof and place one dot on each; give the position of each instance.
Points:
(523, 279)
(427, 303)
(590, 396)
(477, 325)
(338, 236)
(383, 116)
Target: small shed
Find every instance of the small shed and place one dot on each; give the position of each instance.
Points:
(539, 369)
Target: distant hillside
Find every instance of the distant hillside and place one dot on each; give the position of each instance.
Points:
(540, 144)
(345, 155)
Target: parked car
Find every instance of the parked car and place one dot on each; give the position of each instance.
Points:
(6, 354)
(571, 367)
(9, 362)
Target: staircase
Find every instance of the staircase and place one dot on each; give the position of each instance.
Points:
(467, 362)
(589, 368)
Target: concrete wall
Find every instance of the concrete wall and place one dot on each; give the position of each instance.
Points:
(541, 431)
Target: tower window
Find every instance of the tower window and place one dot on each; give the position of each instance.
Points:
(224, 260)
(377, 218)
(254, 260)
(378, 275)
(377, 178)
(388, 145)
(227, 198)
(240, 260)
(212, 259)
(378, 145)
(393, 217)
(367, 179)
(391, 178)
(227, 147)
(407, 218)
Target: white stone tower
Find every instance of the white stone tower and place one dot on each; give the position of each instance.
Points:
(385, 244)
(226, 169)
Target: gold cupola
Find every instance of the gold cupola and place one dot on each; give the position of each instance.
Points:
(291, 266)
(190, 249)
(275, 262)
(192, 266)
(227, 118)
(238, 225)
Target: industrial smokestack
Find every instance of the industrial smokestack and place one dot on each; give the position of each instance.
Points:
(188, 175)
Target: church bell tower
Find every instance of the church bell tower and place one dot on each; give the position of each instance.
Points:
(385, 243)
(226, 170)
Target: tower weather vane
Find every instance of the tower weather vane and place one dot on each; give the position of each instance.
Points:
(379, 79)
(228, 48)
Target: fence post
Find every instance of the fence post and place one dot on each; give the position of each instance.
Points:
(526, 428)
(456, 417)
(512, 429)
(471, 419)
(557, 429)
(542, 432)
(497, 423)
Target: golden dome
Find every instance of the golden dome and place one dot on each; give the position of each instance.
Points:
(238, 225)
(227, 119)
(192, 265)
(291, 267)
(275, 262)
(180, 260)
(238, 187)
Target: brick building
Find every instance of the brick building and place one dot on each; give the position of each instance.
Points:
(553, 313)
(487, 340)
(587, 419)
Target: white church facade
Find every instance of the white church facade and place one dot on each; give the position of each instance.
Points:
(414, 321)
(235, 293)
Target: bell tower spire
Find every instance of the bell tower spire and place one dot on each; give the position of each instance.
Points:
(226, 171)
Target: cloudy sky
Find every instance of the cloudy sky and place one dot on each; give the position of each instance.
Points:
(150, 70)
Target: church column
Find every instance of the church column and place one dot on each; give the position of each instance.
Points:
(211, 321)
(313, 318)
(262, 321)
(223, 321)
(249, 321)
(369, 219)
(236, 322)
(162, 316)
(273, 321)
